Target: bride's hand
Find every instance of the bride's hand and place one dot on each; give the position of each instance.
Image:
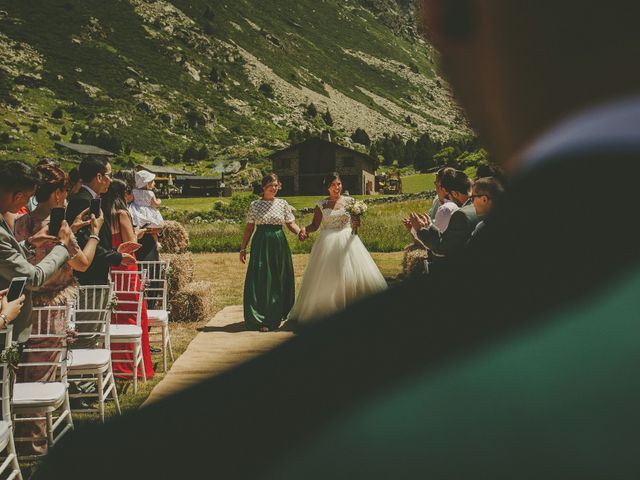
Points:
(302, 235)
(355, 222)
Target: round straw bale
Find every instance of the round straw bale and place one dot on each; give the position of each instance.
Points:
(180, 271)
(175, 238)
(413, 259)
(193, 303)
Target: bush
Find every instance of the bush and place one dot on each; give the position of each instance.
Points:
(266, 90)
(58, 113)
(190, 153)
(158, 161)
(5, 138)
(203, 153)
(328, 119)
(312, 111)
(361, 136)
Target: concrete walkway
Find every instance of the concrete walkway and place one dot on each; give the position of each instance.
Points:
(222, 344)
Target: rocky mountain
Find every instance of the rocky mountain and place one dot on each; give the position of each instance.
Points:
(222, 79)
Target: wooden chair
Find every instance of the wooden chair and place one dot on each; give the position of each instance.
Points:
(128, 286)
(156, 294)
(46, 400)
(9, 468)
(93, 365)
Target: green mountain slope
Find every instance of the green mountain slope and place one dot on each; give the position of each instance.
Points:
(151, 77)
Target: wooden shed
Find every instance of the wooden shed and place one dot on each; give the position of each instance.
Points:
(301, 168)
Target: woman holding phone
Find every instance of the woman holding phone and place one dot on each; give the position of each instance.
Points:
(59, 289)
(114, 207)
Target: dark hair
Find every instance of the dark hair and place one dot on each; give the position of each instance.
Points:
(52, 178)
(456, 182)
(128, 177)
(113, 202)
(17, 176)
(91, 167)
(489, 186)
(329, 178)
(444, 171)
(270, 178)
(74, 176)
(48, 161)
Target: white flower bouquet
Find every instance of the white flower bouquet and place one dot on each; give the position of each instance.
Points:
(357, 209)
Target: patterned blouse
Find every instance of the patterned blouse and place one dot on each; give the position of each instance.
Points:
(270, 212)
(27, 225)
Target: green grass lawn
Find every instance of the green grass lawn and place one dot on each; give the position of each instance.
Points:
(418, 183)
(381, 230)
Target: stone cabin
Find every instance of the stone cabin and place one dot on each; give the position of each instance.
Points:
(301, 168)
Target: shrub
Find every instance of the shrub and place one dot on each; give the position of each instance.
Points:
(158, 161)
(57, 113)
(190, 153)
(266, 90)
(312, 111)
(328, 119)
(361, 136)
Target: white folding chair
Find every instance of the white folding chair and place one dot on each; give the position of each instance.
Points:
(46, 400)
(8, 455)
(93, 365)
(156, 294)
(128, 286)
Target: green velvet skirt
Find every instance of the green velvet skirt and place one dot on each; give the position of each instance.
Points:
(269, 287)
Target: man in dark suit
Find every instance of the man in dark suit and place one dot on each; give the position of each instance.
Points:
(96, 178)
(517, 361)
(462, 223)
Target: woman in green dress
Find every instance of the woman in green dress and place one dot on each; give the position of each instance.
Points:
(269, 284)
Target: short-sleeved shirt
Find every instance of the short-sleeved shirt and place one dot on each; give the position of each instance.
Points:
(443, 214)
(270, 212)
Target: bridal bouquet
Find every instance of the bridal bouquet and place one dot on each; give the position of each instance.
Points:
(356, 208)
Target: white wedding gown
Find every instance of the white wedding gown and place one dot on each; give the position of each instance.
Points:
(339, 271)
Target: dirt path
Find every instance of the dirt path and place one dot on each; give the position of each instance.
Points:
(222, 344)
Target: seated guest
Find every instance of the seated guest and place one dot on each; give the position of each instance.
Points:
(462, 223)
(96, 178)
(485, 192)
(59, 289)
(18, 182)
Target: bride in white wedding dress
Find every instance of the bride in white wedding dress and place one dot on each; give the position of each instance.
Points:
(340, 269)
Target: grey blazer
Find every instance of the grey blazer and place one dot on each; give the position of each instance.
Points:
(14, 263)
(455, 237)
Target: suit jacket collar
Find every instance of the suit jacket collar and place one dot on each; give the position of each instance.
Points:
(94, 195)
(607, 128)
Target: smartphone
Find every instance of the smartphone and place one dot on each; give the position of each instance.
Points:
(94, 209)
(15, 288)
(55, 221)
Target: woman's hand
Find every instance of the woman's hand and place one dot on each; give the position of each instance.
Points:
(79, 223)
(243, 256)
(96, 223)
(302, 234)
(12, 309)
(355, 222)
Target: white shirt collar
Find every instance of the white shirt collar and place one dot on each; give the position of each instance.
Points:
(609, 126)
(94, 195)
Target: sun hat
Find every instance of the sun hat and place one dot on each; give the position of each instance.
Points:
(143, 177)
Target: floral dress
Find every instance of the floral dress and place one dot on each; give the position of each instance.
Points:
(59, 289)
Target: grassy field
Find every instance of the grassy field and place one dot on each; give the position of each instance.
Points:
(227, 274)
(418, 183)
(381, 230)
(197, 204)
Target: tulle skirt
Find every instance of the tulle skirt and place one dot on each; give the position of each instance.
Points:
(340, 270)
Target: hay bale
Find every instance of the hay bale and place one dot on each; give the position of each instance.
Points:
(193, 303)
(180, 271)
(413, 260)
(175, 238)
